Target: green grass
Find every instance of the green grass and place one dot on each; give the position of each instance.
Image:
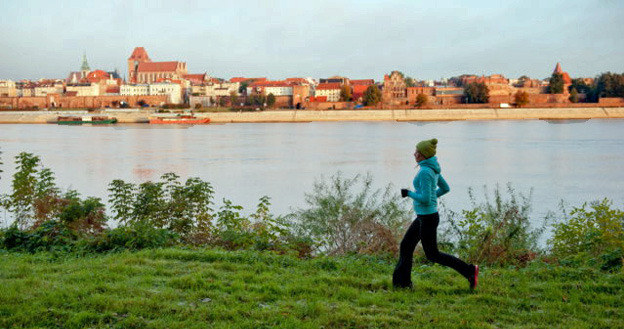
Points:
(246, 289)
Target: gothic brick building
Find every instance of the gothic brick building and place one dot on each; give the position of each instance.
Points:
(141, 69)
(394, 90)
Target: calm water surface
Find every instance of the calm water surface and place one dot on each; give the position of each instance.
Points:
(576, 161)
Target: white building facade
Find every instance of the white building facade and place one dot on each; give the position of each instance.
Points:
(7, 88)
(45, 90)
(134, 90)
(92, 89)
(172, 90)
(333, 95)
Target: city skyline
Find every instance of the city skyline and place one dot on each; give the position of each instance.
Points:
(278, 39)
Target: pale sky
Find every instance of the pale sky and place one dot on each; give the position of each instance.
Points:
(278, 39)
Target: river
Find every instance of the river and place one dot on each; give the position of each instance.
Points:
(575, 161)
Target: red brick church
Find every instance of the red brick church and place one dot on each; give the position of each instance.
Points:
(141, 69)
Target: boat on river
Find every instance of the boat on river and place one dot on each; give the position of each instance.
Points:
(180, 119)
(75, 120)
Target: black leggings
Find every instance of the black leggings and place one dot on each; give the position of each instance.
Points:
(424, 228)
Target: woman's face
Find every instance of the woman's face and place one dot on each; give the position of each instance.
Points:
(419, 157)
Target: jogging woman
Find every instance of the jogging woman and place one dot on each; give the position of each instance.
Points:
(429, 185)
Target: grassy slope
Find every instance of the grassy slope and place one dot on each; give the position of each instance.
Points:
(165, 288)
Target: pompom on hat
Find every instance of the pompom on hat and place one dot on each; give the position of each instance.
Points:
(427, 147)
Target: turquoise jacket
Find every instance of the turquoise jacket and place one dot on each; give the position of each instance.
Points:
(429, 185)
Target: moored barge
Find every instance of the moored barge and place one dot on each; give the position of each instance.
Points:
(180, 119)
(96, 120)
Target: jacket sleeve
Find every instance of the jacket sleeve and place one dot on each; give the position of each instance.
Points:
(423, 195)
(443, 187)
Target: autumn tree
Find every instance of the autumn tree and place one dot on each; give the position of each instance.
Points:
(345, 93)
(521, 98)
(476, 92)
(421, 100)
(372, 95)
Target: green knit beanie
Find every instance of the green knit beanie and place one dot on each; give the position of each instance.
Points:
(427, 147)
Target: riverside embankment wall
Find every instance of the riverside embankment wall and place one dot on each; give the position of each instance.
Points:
(343, 115)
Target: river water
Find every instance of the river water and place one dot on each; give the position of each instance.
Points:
(574, 161)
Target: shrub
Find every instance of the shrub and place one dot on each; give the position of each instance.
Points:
(50, 235)
(233, 229)
(181, 208)
(592, 232)
(495, 231)
(13, 238)
(421, 100)
(521, 98)
(83, 217)
(132, 237)
(269, 230)
(341, 220)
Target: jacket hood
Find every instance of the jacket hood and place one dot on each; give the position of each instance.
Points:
(431, 163)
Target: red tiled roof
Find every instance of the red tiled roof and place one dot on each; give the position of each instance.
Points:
(365, 82)
(196, 78)
(140, 54)
(96, 76)
(242, 79)
(327, 86)
(359, 89)
(158, 66)
(269, 84)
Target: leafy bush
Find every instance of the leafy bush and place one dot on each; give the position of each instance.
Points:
(132, 237)
(83, 217)
(181, 208)
(45, 219)
(592, 232)
(233, 229)
(341, 220)
(50, 235)
(495, 231)
(268, 229)
(13, 238)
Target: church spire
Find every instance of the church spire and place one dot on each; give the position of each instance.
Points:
(85, 65)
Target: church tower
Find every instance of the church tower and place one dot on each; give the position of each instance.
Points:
(84, 68)
(139, 55)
